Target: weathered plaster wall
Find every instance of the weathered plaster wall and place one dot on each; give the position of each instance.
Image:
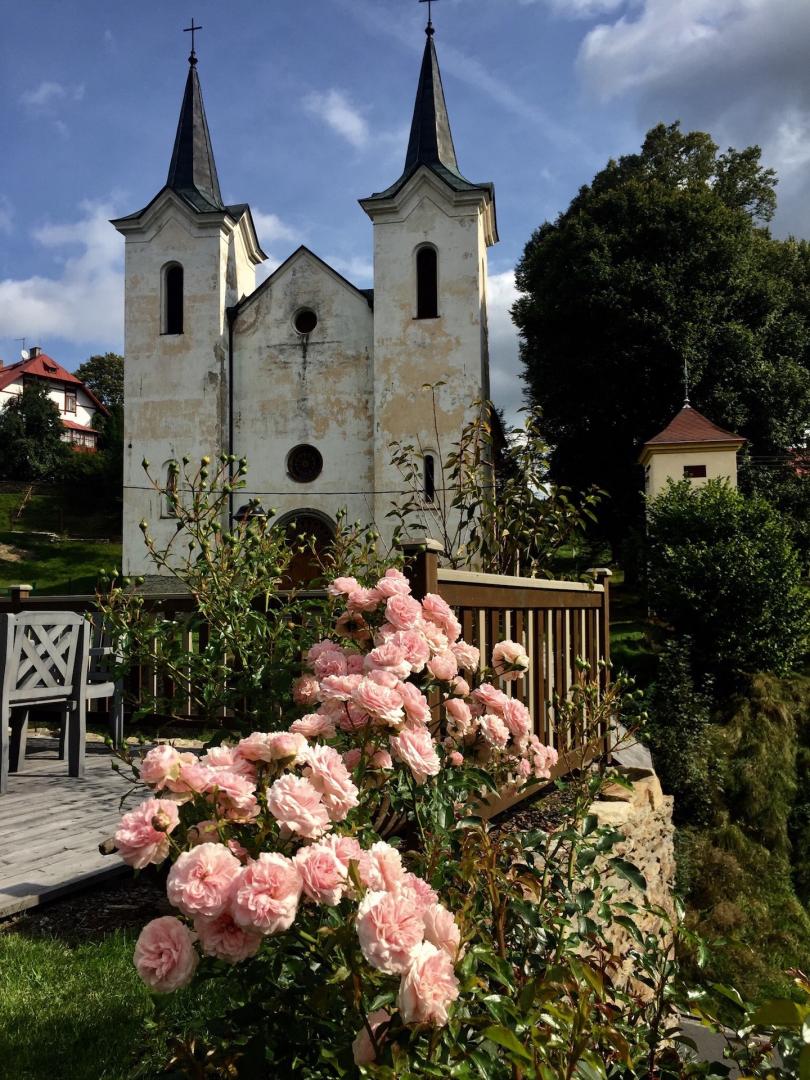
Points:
(175, 385)
(317, 389)
(663, 465)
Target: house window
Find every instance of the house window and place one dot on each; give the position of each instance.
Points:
(173, 299)
(427, 283)
(70, 401)
(430, 477)
(694, 472)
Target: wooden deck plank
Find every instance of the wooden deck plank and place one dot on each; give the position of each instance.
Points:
(51, 825)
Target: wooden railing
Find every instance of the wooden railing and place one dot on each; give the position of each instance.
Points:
(561, 625)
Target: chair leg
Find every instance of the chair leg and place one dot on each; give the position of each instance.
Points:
(117, 717)
(63, 731)
(19, 737)
(5, 717)
(76, 738)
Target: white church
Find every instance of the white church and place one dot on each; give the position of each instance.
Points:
(306, 375)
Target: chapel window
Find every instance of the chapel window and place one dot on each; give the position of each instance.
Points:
(694, 472)
(430, 477)
(173, 299)
(427, 283)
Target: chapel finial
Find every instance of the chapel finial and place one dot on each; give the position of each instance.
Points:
(686, 404)
(192, 58)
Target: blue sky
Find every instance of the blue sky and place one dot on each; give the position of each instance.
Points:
(309, 105)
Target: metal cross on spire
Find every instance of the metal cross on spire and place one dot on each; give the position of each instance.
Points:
(685, 382)
(192, 30)
(429, 27)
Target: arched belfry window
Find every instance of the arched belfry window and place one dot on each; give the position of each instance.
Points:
(173, 299)
(427, 283)
(430, 478)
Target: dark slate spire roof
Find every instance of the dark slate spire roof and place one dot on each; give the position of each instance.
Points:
(193, 173)
(431, 141)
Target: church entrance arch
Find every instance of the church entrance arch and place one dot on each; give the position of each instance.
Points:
(304, 566)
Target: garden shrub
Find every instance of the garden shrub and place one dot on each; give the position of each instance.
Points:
(722, 569)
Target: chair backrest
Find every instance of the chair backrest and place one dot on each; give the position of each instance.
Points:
(43, 655)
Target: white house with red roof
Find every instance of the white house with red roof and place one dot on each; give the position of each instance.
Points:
(78, 406)
(690, 448)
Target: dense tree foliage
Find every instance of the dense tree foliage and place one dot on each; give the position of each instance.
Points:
(31, 446)
(663, 262)
(722, 570)
(103, 374)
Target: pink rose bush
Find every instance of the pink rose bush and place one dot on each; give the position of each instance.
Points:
(274, 836)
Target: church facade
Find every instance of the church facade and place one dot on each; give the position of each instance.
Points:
(307, 376)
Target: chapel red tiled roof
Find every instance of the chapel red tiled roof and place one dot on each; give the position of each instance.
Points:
(690, 426)
(43, 366)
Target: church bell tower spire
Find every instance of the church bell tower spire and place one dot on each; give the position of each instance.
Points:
(193, 172)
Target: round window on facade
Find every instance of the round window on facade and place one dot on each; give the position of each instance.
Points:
(304, 464)
(305, 321)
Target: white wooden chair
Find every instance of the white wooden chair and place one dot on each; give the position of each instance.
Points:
(43, 661)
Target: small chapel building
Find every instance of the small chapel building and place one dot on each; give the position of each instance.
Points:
(689, 448)
(308, 376)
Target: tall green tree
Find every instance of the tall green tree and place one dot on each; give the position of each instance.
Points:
(664, 262)
(31, 446)
(104, 375)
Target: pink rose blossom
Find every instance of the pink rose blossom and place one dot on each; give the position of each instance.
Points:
(544, 758)
(235, 796)
(201, 881)
(436, 609)
(361, 599)
(467, 655)
(385, 678)
(524, 769)
(328, 774)
(342, 586)
(494, 731)
(355, 663)
(428, 987)
(138, 841)
(490, 697)
(352, 718)
(322, 646)
(159, 765)
(390, 930)
(417, 708)
(389, 657)
(346, 848)
(455, 758)
(266, 894)
(239, 850)
(443, 666)
(509, 660)
(296, 804)
(323, 875)
(339, 687)
(204, 832)
(330, 662)
(316, 725)
(165, 957)
(393, 583)
(306, 690)
(460, 687)
(435, 637)
(351, 759)
(363, 1048)
(414, 645)
(403, 612)
(226, 940)
(518, 719)
(272, 746)
(381, 759)
(415, 748)
(421, 894)
(227, 757)
(441, 929)
(379, 701)
(459, 715)
(381, 867)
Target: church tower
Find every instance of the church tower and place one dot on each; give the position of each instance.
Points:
(432, 228)
(189, 256)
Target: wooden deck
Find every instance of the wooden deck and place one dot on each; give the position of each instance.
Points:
(51, 825)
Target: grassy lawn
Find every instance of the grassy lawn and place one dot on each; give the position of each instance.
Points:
(68, 561)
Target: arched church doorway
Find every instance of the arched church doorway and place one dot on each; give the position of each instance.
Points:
(304, 566)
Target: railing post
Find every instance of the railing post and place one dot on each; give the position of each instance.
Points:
(602, 576)
(19, 593)
(422, 565)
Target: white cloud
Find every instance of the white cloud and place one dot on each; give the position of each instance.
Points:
(358, 269)
(49, 93)
(84, 301)
(272, 231)
(506, 386)
(337, 111)
(578, 9)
